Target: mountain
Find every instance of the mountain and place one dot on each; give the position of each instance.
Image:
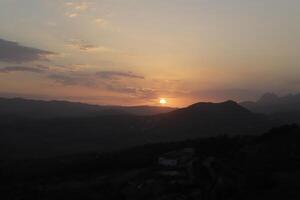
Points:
(53, 109)
(269, 98)
(224, 108)
(207, 120)
(50, 137)
(270, 103)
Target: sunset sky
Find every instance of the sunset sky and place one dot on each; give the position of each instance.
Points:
(135, 52)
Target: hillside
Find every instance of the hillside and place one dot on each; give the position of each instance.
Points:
(206, 120)
(48, 137)
(250, 167)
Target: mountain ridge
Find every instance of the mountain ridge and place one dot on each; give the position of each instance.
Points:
(54, 108)
(102, 133)
(271, 103)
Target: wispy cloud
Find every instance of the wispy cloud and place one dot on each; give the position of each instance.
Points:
(86, 46)
(79, 6)
(74, 9)
(100, 21)
(112, 81)
(20, 69)
(71, 15)
(15, 53)
(117, 75)
(72, 79)
(115, 82)
(137, 92)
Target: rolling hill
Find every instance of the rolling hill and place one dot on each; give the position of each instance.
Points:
(60, 136)
(207, 120)
(57, 109)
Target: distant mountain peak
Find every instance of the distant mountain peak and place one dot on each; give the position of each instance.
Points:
(268, 98)
(227, 106)
(225, 103)
(271, 103)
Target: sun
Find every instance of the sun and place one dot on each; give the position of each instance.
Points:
(163, 101)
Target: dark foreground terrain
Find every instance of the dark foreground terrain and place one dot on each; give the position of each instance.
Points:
(38, 138)
(222, 167)
(210, 151)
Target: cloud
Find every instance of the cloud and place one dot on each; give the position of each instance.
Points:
(85, 46)
(137, 92)
(72, 79)
(71, 15)
(112, 81)
(101, 21)
(79, 6)
(14, 53)
(109, 81)
(20, 69)
(112, 75)
(63, 79)
(147, 93)
(120, 89)
(76, 8)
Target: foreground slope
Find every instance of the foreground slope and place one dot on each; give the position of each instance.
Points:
(247, 167)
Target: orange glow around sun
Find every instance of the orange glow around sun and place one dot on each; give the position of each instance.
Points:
(163, 101)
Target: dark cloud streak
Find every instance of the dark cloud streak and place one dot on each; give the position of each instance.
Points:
(12, 52)
(20, 69)
(116, 74)
(71, 80)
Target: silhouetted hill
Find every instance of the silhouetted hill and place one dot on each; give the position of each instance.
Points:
(224, 108)
(209, 119)
(53, 109)
(270, 103)
(46, 137)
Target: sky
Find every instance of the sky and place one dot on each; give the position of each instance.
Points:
(135, 52)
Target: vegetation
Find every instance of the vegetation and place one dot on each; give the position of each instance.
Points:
(265, 164)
